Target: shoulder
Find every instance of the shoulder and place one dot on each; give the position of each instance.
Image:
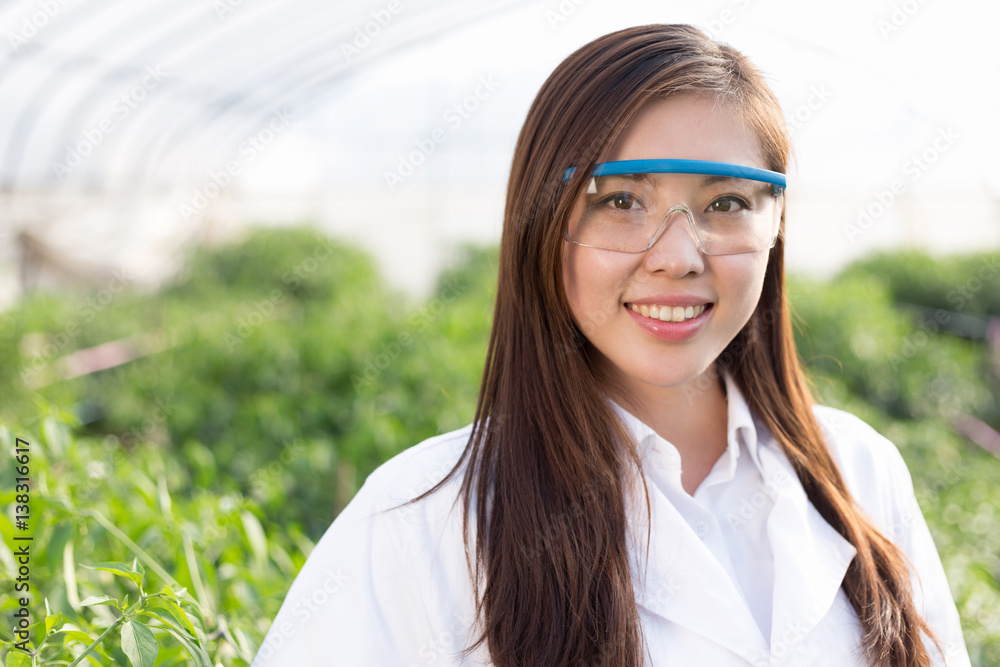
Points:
(388, 576)
(416, 470)
(384, 498)
(410, 536)
(880, 482)
(387, 504)
(853, 442)
(871, 466)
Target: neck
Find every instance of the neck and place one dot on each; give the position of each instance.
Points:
(693, 417)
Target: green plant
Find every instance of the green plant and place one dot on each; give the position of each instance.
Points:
(218, 577)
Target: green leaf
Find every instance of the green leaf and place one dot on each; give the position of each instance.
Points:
(98, 599)
(165, 616)
(244, 644)
(53, 621)
(197, 652)
(119, 570)
(18, 658)
(55, 435)
(164, 493)
(139, 644)
(257, 539)
(79, 636)
(169, 592)
(69, 575)
(194, 612)
(95, 645)
(176, 611)
(175, 595)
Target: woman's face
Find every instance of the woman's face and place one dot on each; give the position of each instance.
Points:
(602, 286)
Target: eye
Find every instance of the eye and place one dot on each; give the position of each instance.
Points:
(623, 201)
(727, 204)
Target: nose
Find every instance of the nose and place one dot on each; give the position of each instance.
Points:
(675, 250)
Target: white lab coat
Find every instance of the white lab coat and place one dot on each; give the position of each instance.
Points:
(391, 587)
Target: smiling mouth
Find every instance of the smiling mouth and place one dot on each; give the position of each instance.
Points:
(669, 313)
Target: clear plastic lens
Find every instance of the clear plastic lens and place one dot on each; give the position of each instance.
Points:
(726, 215)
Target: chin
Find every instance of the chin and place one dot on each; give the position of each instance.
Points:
(662, 375)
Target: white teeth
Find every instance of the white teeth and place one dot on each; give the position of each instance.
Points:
(669, 313)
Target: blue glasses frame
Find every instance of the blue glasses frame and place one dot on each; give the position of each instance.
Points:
(671, 166)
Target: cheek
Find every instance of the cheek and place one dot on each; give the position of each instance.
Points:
(743, 277)
(582, 279)
(594, 282)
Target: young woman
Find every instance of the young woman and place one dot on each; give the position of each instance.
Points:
(647, 479)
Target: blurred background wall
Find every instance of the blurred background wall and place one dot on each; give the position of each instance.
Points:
(130, 131)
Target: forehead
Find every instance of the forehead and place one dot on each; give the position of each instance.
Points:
(689, 126)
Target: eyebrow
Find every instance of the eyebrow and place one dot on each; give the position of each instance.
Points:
(640, 176)
(706, 179)
(712, 179)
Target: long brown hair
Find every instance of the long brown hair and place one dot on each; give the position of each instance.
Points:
(546, 463)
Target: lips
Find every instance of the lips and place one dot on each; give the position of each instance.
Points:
(666, 313)
(671, 317)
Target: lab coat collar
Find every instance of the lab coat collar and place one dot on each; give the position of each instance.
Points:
(682, 581)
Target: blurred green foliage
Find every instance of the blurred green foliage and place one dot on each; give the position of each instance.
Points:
(275, 374)
(128, 530)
